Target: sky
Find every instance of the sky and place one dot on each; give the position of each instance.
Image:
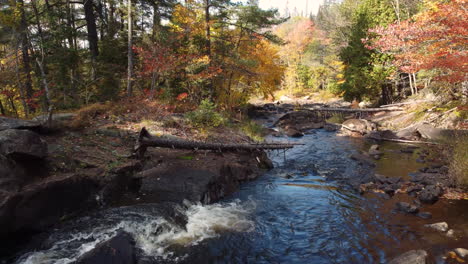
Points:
(312, 5)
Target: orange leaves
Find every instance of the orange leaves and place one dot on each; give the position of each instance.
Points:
(435, 39)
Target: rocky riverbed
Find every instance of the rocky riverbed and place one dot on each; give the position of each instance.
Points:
(50, 175)
(80, 197)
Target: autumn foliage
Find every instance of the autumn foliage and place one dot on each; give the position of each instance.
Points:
(434, 39)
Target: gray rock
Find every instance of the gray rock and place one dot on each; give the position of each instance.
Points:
(425, 215)
(407, 208)
(11, 175)
(450, 233)
(22, 144)
(411, 257)
(360, 125)
(363, 159)
(41, 206)
(374, 150)
(13, 123)
(118, 250)
(331, 127)
(462, 252)
(292, 132)
(430, 194)
(442, 226)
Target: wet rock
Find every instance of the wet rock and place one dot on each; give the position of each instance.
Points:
(442, 226)
(22, 145)
(292, 132)
(420, 160)
(118, 250)
(426, 178)
(374, 150)
(310, 125)
(407, 208)
(425, 215)
(301, 119)
(461, 252)
(363, 159)
(412, 190)
(43, 205)
(12, 123)
(360, 125)
(11, 175)
(430, 194)
(409, 150)
(379, 135)
(390, 189)
(332, 127)
(411, 257)
(450, 233)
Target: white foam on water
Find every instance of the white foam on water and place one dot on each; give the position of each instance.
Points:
(154, 235)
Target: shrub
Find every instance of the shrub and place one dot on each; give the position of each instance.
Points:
(87, 113)
(459, 161)
(253, 130)
(206, 116)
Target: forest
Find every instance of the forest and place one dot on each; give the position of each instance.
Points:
(67, 54)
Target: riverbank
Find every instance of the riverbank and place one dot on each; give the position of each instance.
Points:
(84, 162)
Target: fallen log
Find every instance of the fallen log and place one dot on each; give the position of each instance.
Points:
(404, 141)
(145, 140)
(355, 110)
(406, 103)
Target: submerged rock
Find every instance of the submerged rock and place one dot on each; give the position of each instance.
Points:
(118, 250)
(22, 144)
(407, 208)
(411, 257)
(442, 226)
(425, 215)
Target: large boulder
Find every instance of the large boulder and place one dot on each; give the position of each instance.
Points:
(13, 123)
(22, 145)
(118, 250)
(361, 126)
(43, 205)
(301, 120)
(411, 257)
(11, 175)
(179, 183)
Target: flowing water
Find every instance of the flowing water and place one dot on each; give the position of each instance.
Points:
(302, 211)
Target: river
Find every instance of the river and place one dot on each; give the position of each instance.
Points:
(302, 211)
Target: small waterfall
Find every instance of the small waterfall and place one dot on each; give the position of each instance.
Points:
(153, 234)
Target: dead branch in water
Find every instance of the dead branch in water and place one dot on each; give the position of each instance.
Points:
(404, 141)
(145, 140)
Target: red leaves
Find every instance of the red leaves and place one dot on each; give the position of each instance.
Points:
(434, 39)
(181, 96)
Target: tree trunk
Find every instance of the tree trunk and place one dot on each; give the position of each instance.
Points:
(2, 109)
(130, 51)
(415, 84)
(208, 30)
(145, 140)
(91, 27)
(156, 19)
(25, 54)
(411, 83)
(44, 83)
